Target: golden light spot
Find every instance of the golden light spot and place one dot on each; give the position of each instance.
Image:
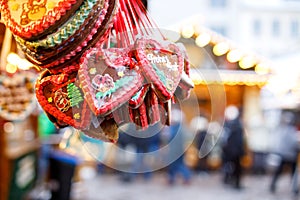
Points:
(187, 31)
(203, 39)
(11, 68)
(220, 48)
(50, 100)
(247, 62)
(234, 55)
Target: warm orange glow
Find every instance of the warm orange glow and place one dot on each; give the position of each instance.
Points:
(16, 60)
(220, 48)
(203, 39)
(234, 55)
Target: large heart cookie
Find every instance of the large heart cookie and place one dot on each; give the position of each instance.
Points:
(61, 97)
(76, 23)
(17, 96)
(108, 81)
(32, 19)
(162, 65)
(92, 33)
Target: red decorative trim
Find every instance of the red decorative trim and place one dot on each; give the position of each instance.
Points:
(58, 80)
(89, 93)
(149, 72)
(99, 26)
(38, 26)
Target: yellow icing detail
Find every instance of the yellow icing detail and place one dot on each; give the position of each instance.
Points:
(170, 84)
(93, 71)
(51, 5)
(15, 7)
(36, 13)
(50, 100)
(76, 116)
(121, 74)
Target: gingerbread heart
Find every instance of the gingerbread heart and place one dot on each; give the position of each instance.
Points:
(17, 96)
(108, 81)
(162, 65)
(32, 19)
(61, 97)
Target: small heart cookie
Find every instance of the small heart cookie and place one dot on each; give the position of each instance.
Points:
(162, 65)
(108, 81)
(61, 97)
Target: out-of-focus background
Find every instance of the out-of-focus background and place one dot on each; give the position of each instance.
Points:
(244, 57)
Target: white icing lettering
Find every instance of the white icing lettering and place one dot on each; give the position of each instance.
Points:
(158, 59)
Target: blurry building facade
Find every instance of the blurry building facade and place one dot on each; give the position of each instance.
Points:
(253, 24)
(258, 31)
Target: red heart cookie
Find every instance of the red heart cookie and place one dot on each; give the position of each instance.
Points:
(17, 96)
(60, 96)
(161, 65)
(32, 19)
(108, 81)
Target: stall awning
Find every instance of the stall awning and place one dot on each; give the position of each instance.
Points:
(228, 77)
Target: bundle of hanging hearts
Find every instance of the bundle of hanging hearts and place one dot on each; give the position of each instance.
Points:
(103, 66)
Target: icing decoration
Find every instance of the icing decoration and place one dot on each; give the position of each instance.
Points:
(43, 55)
(17, 96)
(76, 116)
(93, 71)
(74, 95)
(162, 65)
(65, 31)
(30, 18)
(61, 100)
(106, 91)
(102, 83)
(56, 87)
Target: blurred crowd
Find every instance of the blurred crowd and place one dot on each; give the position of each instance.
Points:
(181, 151)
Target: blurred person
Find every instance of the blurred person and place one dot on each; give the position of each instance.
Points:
(146, 146)
(201, 133)
(124, 141)
(287, 148)
(232, 147)
(176, 132)
(146, 142)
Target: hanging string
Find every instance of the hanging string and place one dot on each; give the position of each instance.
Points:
(133, 22)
